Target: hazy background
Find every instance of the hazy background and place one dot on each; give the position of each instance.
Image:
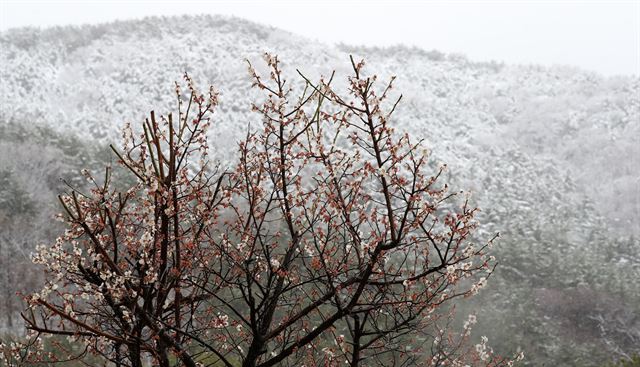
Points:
(602, 36)
(546, 136)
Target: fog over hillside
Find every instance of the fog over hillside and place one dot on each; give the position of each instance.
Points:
(550, 154)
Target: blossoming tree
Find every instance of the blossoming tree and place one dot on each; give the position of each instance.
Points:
(330, 241)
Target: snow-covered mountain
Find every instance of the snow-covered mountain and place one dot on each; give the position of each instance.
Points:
(551, 154)
(90, 79)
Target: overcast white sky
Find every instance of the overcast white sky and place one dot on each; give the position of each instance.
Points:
(596, 35)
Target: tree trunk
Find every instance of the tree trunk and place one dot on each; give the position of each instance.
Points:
(134, 355)
(355, 355)
(256, 349)
(163, 358)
